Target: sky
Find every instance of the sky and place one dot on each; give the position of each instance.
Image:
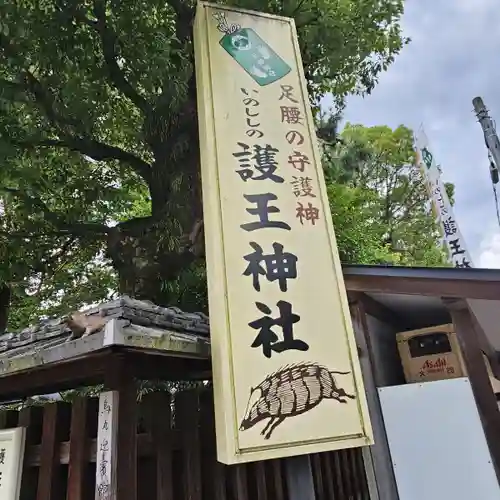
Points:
(453, 57)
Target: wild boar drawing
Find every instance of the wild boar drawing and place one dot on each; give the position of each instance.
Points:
(290, 391)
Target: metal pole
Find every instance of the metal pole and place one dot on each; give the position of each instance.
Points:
(490, 134)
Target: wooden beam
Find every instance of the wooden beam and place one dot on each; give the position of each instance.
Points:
(149, 340)
(379, 311)
(478, 376)
(428, 286)
(11, 361)
(486, 346)
(55, 377)
(151, 365)
(92, 368)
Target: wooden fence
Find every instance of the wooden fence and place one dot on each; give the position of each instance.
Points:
(175, 454)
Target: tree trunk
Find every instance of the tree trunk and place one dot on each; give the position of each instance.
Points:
(4, 306)
(151, 254)
(150, 269)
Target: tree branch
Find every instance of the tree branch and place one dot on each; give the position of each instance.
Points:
(94, 149)
(41, 95)
(13, 91)
(63, 227)
(74, 10)
(27, 235)
(109, 41)
(184, 18)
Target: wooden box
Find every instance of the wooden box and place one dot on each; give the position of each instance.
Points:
(430, 354)
(434, 354)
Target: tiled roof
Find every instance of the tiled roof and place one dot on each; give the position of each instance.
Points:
(53, 332)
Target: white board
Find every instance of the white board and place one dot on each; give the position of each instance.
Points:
(11, 462)
(437, 443)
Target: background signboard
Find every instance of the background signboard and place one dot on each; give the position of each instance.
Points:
(11, 461)
(452, 237)
(287, 377)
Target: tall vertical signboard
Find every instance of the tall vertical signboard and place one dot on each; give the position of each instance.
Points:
(287, 378)
(452, 237)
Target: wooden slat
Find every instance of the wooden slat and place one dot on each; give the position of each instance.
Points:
(299, 478)
(30, 417)
(126, 446)
(158, 411)
(357, 477)
(238, 474)
(340, 483)
(361, 479)
(48, 485)
(262, 487)
(216, 471)
(347, 473)
(318, 476)
(333, 487)
(8, 419)
(146, 479)
(77, 452)
(187, 421)
(277, 474)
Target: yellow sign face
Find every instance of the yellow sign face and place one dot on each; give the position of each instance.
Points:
(287, 378)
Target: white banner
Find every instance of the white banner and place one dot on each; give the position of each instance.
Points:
(452, 237)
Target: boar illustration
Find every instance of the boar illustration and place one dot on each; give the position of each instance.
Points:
(290, 391)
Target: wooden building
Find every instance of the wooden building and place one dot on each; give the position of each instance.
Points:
(388, 300)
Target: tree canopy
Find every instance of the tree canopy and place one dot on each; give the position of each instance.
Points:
(378, 198)
(99, 184)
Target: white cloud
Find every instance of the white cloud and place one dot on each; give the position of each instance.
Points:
(489, 256)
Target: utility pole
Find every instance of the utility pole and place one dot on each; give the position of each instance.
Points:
(492, 145)
(490, 136)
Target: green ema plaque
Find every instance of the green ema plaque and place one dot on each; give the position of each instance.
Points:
(255, 56)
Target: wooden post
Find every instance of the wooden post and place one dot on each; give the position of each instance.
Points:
(478, 376)
(116, 453)
(48, 483)
(107, 432)
(371, 478)
(126, 444)
(299, 478)
(116, 449)
(77, 451)
(384, 486)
